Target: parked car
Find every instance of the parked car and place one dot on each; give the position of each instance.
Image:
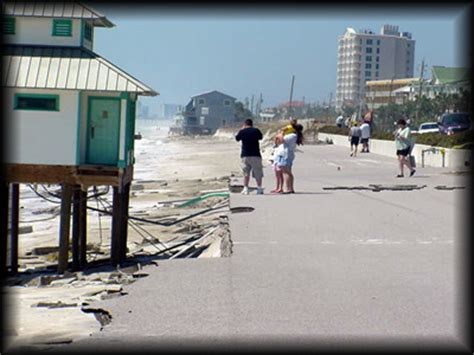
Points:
(428, 127)
(454, 122)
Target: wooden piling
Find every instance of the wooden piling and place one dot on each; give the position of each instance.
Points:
(65, 221)
(116, 237)
(14, 228)
(124, 221)
(82, 229)
(75, 228)
(4, 225)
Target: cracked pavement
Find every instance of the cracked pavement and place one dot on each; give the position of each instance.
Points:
(319, 269)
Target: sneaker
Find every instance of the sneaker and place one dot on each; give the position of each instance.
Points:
(245, 191)
(412, 172)
(259, 191)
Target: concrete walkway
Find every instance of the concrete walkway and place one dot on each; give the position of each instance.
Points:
(320, 269)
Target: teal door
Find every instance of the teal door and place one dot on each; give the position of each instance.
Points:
(103, 131)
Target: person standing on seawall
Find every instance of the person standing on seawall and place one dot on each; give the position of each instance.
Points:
(251, 159)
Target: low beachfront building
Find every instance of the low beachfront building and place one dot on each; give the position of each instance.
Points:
(382, 92)
(294, 108)
(70, 113)
(444, 80)
(269, 116)
(448, 80)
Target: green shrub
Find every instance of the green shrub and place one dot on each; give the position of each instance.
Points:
(464, 139)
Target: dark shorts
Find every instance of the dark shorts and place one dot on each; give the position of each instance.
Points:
(364, 140)
(354, 140)
(403, 152)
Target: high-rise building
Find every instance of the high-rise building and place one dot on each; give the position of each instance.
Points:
(365, 55)
(168, 111)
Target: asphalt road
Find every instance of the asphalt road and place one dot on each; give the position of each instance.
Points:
(319, 269)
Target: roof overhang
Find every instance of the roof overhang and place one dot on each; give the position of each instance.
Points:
(66, 68)
(55, 9)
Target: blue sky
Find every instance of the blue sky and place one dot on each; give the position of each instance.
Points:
(180, 53)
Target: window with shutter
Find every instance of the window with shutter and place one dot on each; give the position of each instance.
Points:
(88, 31)
(62, 28)
(9, 26)
(36, 102)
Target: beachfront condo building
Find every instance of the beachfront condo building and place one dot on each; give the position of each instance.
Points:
(365, 56)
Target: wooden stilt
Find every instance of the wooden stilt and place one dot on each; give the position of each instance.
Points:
(116, 237)
(66, 195)
(4, 225)
(82, 229)
(124, 223)
(75, 228)
(15, 219)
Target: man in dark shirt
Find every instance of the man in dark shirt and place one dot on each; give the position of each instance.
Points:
(251, 159)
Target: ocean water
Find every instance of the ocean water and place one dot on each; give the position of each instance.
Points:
(152, 149)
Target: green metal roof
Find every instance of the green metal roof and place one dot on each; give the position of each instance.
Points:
(447, 75)
(65, 68)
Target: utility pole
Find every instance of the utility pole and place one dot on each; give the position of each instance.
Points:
(291, 96)
(422, 71)
(260, 104)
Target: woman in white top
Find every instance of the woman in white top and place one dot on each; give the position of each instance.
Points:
(290, 142)
(403, 144)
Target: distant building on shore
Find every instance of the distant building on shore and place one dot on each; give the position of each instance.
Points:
(367, 56)
(382, 92)
(444, 80)
(143, 111)
(168, 111)
(269, 115)
(294, 108)
(207, 112)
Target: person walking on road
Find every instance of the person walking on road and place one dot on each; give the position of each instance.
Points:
(403, 144)
(365, 136)
(290, 142)
(354, 136)
(251, 159)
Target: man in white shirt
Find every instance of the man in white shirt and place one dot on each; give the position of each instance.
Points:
(340, 121)
(365, 136)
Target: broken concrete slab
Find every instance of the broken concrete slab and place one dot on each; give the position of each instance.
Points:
(443, 187)
(54, 304)
(25, 229)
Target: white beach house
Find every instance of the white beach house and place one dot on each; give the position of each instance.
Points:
(65, 105)
(70, 120)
